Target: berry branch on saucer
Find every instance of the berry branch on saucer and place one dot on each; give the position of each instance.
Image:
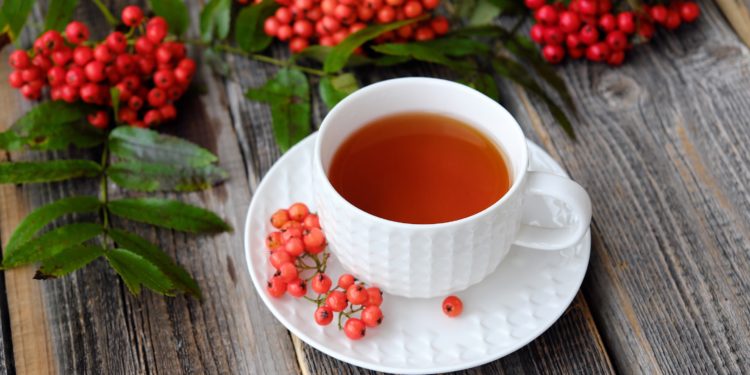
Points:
(299, 256)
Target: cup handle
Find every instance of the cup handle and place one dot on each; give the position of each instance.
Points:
(566, 190)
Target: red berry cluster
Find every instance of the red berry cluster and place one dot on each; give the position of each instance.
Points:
(299, 241)
(149, 72)
(590, 28)
(328, 22)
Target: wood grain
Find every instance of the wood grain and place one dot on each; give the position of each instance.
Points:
(663, 152)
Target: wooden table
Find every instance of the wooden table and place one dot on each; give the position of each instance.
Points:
(663, 151)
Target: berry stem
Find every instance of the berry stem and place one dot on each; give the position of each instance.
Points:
(111, 20)
(257, 57)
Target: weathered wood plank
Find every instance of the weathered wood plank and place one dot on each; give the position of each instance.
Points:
(90, 322)
(663, 152)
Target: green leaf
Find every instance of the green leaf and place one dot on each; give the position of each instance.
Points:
(15, 13)
(47, 171)
(215, 20)
(484, 12)
(59, 13)
(67, 261)
(484, 83)
(168, 214)
(340, 54)
(139, 245)
(174, 11)
(145, 176)
(44, 215)
(136, 270)
(52, 125)
(320, 54)
(111, 19)
(248, 28)
(435, 54)
(334, 89)
(130, 143)
(519, 74)
(288, 94)
(51, 243)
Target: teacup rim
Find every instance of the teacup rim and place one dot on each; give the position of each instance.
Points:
(515, 186)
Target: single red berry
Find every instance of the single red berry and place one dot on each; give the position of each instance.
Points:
(288, 272)
(82, 55)
(131, 82)
(94, 71)
(125, 64)
(311, 221)
(321, 283)
(276, 287)
(336, 300)
(32, 90)
(157, 97)
(279, 218)
(164, 78)
(132, 15)
(452, 306)
(31, 74)
(357, 294)
(98, 119)
(187, 64)
(298, 211)
(90, 93)
(374, 296)
(537, 32)
(303, 28)
(103, 53)
(68, 93)
(314, 14)
(144, 46)
(314, 238)
(326, 41)
(553, 35)
(271, 26)
(76, 32)
(440, 25)
(62, 56)
(51, 41)
(127, 116)
(135, 103)
(569, 21)
(365, 13)
(588, 7)
(168, 112)
(534, 4)
(146, 64)
(16, 79)
(589, 34)
(354, 328)
(646, 30)
(413, 9)
(163, 54)
(323, 315)
(617, 40)
(116, 42)
(342, 11)
(430, 4)
(553, 53)
(597, 52)
(280, 257)
(386, 14)
(152, 118)
(75, 77)
(328, 6)
(659, 13)
(295, 247)
(356, 27)
(42, 62)
(296, 288)
(547, 15)
(304, 4)
(424, 33)
(576, 52)
(19, 59)
(690, 11)
(372, 316)
(607, 22)
(616, 58)
(156, 29)
(298, 44)
(573, 40)
(56, 76)
(673, 20)
(626, 22)
(604, 6)
(340, 35)
(274, 240)
(291, 229)
(345, 281)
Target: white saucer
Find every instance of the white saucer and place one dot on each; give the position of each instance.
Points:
(529, 291)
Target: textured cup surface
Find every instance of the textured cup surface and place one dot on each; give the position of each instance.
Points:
(420, 260)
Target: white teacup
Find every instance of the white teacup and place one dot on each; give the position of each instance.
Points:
(428, 260)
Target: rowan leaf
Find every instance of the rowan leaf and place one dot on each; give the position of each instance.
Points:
(334, 89)
(42, 216)
(174, 11)
(46, 171)
(67, 261)
(15, 13)
(137, 271)
(139, 245)
(146, 176)
(168, 214)
(130, 143)
(215, 19)
(248, 28)
(59, 13)
(51, 243)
